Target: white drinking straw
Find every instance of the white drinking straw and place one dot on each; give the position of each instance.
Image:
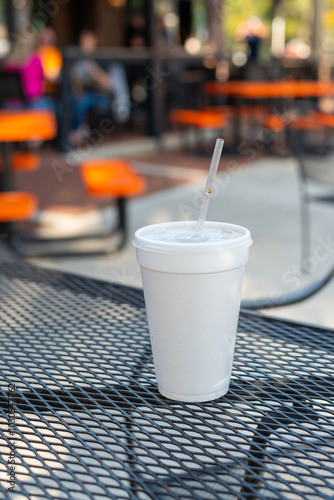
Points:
(208, 187)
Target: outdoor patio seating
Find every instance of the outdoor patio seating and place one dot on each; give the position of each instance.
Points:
(103, 178)
(198, 120)
(116, 179)
(315, 163)
(27, 161)
(315, 159)
(17, 206)
(20, 126)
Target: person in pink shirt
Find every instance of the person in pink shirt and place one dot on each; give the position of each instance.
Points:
(26, 61)
(31, 73)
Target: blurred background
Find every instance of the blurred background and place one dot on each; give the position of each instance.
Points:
(193, 41)
(130, 97)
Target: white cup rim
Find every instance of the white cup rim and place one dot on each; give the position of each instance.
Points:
(143, 243)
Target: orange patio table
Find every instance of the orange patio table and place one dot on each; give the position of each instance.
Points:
(198, 118)
(27, 125)
(22, 126)
(16, 206)
(282, 89)
(113, 178)
(265, 90)
(311, 121)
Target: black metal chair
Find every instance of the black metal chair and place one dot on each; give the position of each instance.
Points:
(11, 86)
(315, 162)
(315, 170)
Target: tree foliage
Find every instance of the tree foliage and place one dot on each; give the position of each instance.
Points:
(297, 14)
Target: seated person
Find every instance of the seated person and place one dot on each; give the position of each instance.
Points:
(95, 87)
(24, 59)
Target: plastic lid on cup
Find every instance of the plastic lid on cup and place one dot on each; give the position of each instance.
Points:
(175, 237)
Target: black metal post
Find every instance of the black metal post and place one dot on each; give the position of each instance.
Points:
(10, 15)
(122, 222)
(66, 103)
(154, 76)
(6, 185)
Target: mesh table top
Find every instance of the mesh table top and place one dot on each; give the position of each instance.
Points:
(82, 419)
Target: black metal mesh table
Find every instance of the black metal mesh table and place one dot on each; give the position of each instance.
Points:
(82, 419)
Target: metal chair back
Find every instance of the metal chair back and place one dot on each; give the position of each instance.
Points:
(11, 86)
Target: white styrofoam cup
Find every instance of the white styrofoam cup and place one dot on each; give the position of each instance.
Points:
(192, 295)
